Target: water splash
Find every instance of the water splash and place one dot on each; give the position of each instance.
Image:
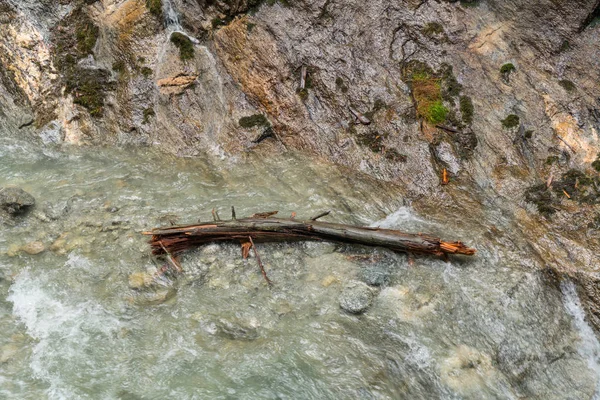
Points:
(171, 17)
(172, 22)
(589, 347)
(400, 219)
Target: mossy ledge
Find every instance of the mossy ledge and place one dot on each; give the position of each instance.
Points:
(511, 121)
(184, 44)
(254, 120)
(74, 39)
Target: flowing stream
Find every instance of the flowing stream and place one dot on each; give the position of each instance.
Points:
(85, 319)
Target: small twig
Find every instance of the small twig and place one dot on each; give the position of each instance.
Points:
(566, 194)
(232, 212)
(447, 128)
(215, 215)
(260, 264)
(171, 259)
(316, 217)
(445, 178)
(567, 144)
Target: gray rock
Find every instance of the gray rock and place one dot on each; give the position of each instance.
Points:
(236, 330)
(15, 201)
(513, 360)
(356, 298)
(376, 275)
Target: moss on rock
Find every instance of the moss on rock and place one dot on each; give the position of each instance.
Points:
(253, 120)
(466, 109)
(155, 8)
(184, 44)
(567, 85)
(510, 121)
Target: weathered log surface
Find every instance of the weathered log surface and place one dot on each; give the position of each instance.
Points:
(263, 228)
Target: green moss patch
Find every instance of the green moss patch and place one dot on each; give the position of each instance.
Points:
(466, 109)
(72, 40)
(427, 93)
(339, 82)
(567, 85)
(510, 121)
(432, 29)
(155, 8)
(147, 72)
(148, 113)
(184, 44)
(579, 186)
(507, 68)
(89, 87)
(254, 120)
(596, 163)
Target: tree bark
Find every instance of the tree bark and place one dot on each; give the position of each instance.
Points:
(266, 229)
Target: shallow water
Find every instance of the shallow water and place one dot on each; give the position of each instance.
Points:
(73, 328)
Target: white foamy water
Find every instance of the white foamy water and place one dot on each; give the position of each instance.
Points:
(63, 331)
(589, 347)
(404, 217)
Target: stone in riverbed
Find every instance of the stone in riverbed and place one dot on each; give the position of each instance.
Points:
(356, 298)
(236, 330)
(376, 275)
(139, 280)
(15, 201)
(33, 247)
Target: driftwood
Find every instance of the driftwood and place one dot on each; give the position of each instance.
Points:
(263, 227)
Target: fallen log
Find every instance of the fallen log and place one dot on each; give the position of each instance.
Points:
(264, 227)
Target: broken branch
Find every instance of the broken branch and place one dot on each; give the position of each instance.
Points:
(263, 227)
(316, 217)
(260, 264)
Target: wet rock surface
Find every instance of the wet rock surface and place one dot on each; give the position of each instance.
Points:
(15, 201)
(356, 298)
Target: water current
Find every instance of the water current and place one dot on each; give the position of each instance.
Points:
(85, 320)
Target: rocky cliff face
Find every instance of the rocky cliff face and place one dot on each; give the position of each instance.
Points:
(499, 97)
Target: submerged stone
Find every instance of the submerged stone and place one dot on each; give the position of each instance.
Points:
(236, 330)
(15, 201)
(356, 298)
(377, 275)
(139, 280)
(34, 247)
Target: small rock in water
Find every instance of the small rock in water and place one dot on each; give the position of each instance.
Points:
(329, 280)
(356, 297)
(377, 275)
(15, 200)
(139, 280)
(236, 330)
(8, 352)
(155, 297)
(33, 247)
(54, 211)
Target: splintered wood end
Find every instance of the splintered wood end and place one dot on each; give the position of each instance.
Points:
(456, 248)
